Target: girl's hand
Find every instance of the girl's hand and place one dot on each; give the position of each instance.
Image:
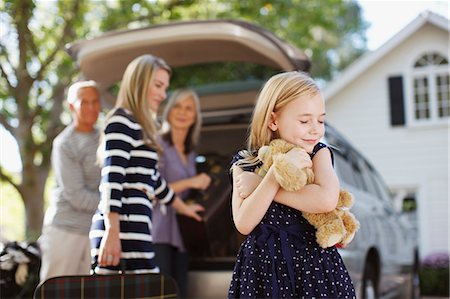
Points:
(299, 158)
(110, 248)
(200, 181)
(246, 183)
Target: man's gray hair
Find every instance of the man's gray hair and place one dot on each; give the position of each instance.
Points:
(72, 93)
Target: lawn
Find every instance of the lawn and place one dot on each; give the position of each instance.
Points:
(12, 213)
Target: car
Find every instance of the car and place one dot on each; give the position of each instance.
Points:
(382, 259)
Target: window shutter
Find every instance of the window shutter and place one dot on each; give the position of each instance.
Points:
(396, 100)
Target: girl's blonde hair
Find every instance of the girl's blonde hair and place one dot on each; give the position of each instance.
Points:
(194, 131)
(132, 95)
(277, 92)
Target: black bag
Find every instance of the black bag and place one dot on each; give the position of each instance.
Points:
(215, 235)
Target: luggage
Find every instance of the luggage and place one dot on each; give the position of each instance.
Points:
(215, 235)
(148, 285)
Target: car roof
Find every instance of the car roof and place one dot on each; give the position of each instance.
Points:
(105, 58)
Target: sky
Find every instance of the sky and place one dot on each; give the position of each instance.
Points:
(386, 18)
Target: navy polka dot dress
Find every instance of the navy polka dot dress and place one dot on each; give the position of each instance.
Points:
(281, 259)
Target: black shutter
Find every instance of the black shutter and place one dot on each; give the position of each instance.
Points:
(396, 100)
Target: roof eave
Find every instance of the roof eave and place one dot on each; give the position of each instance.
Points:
(362, 64)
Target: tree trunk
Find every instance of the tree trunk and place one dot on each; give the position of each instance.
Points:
(33, 197)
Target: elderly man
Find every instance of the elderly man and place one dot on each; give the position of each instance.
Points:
(65, 239)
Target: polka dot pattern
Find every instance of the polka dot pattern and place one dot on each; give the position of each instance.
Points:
(281, 259)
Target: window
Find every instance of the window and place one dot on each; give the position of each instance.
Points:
(431, 92)
(442, 84)
(348, 171)
(369, 181)
(344, 169)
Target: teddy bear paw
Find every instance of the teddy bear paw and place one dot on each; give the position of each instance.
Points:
(348, 238)
(331, 240)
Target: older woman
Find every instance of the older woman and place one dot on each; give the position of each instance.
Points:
(180, 132)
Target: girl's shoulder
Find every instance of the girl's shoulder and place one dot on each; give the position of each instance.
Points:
(121, 121)
(320, 146)
(124, 117)
(317, 148)
(124, 113)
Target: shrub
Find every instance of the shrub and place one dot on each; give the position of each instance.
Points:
(434, 274)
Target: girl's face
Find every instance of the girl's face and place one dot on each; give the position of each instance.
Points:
(301, 122)
(183, 114)
(157, 89)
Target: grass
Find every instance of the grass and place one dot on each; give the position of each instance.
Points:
(12, 213)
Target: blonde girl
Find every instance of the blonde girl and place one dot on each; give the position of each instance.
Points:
(280, 257)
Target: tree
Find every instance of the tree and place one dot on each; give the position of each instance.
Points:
(35, 68)
(34, 73)
(331, 32)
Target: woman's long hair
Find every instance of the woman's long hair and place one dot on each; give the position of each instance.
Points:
(133, 92)
(194, 131)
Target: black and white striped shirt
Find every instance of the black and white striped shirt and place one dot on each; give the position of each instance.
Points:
(130, 181)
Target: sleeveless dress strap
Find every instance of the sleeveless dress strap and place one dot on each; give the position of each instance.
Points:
(320, 146)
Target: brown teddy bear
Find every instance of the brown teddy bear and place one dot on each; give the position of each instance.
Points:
(336, 227)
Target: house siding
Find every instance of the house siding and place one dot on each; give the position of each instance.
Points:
(411, 157)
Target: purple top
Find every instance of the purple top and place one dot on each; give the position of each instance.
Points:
(172, 169)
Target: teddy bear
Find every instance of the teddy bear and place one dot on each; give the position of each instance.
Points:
(335, 227)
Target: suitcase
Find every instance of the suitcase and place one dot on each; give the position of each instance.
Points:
(215, 235)
(148, 285)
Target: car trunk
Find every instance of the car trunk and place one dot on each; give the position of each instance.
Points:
(181, 44)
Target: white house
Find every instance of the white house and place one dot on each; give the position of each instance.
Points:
(394, 105)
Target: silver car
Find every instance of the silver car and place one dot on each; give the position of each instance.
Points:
(382, 259)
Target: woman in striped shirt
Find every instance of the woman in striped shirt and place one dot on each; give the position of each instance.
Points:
(121, 227)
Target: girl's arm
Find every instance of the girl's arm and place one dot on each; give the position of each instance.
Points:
(314, 198)
(249, 212)
(110, 244)
(319, 197)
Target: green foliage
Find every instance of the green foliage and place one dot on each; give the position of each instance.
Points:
(434, 282)
(218, 72)
(332, 32)
(434, 274)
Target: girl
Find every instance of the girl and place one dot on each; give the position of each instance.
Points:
(280, 257)
(121, 228)
(180, 133)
